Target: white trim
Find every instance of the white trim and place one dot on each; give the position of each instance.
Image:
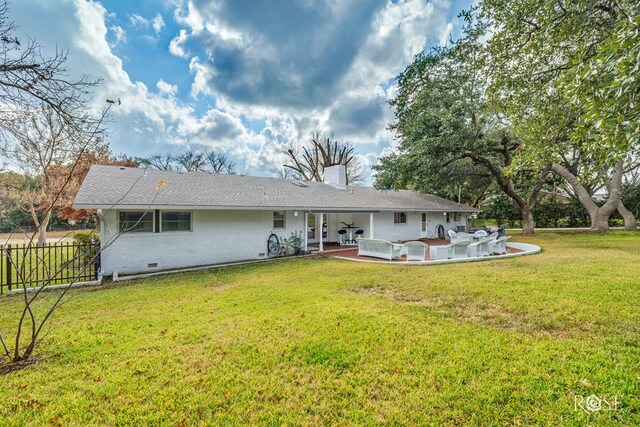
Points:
(270, 208)
(306, 231)
(321, 244)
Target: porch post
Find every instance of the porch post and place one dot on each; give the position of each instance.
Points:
(371, 225)
(305, 231)
(321, 227)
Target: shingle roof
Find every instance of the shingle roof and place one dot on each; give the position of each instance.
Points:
(109, 186)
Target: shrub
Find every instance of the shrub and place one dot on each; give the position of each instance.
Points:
(295, 241)
(88, 248)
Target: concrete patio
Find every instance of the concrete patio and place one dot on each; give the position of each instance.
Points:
(350, 252)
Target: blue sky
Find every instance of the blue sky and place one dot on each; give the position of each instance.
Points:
(245, 77)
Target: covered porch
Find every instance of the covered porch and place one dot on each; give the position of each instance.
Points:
(323, 229)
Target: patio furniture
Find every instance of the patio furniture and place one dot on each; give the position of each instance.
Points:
(342, 235)
(480, 248)
(499, 246)
(459, 249)
(480, 234)
(359, 234)
(350, 228)
(416, 250)
(459, 237)
(438, 252)
(378, 248)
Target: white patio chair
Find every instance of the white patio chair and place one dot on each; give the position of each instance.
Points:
(499, 246)
(480, 234)
(416, 250)
(459, 237)
(481, 248)
(459, 249)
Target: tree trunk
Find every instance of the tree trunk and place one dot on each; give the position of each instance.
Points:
(599, 214)
(42, 229)
(528, 224)
(627, 215)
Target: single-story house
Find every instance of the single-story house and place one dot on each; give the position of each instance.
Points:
(154, 220)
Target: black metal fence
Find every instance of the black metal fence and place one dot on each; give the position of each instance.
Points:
(52, 264)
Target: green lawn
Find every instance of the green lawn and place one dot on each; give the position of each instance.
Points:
(321, 341)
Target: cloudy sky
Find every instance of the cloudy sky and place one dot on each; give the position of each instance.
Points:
(246, 77)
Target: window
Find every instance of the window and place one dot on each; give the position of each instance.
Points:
(448, 217)
(424, 222)
(399, 217)
(279, 220)
(134, 222)
(176, 221)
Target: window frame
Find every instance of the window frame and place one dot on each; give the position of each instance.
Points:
(283, 219)
(143, 212)
(190, 230)
(399, 216)
(424, 219)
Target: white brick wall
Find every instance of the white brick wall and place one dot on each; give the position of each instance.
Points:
(221, 236)
(217, 237)
(384, 227)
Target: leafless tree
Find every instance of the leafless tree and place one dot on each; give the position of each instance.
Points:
(31, 327)
(163, 162)
(310, 161)
(191, 161)
(30, 83)
(43, 147)
(29, 79)
(219, 162)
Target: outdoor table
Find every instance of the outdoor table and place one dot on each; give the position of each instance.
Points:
(350, 227)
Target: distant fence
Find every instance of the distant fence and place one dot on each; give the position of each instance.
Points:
(52, 264)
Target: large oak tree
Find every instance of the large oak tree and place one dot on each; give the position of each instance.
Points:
(446, 128)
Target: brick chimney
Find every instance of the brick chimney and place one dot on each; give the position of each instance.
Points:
(336, 176)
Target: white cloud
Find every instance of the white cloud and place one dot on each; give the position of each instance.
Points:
(202, 76)
(167, 88)
(119, 34)
(176, 46)
(156, 119)
(157, 23)
(191, 18)
(445, 34)
(138, 21)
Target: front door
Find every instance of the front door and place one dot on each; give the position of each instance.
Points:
(424, 225)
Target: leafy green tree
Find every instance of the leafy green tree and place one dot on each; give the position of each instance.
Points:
(547, 59)
(447, 129)
(500, 209)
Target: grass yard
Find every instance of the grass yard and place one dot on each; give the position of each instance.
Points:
(324, 341)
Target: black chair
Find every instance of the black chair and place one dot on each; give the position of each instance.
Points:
(343, 236)
(358, 234)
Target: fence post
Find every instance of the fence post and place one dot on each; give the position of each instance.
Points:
(9, 263)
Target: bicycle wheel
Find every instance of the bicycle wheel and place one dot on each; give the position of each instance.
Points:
(273, 246)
